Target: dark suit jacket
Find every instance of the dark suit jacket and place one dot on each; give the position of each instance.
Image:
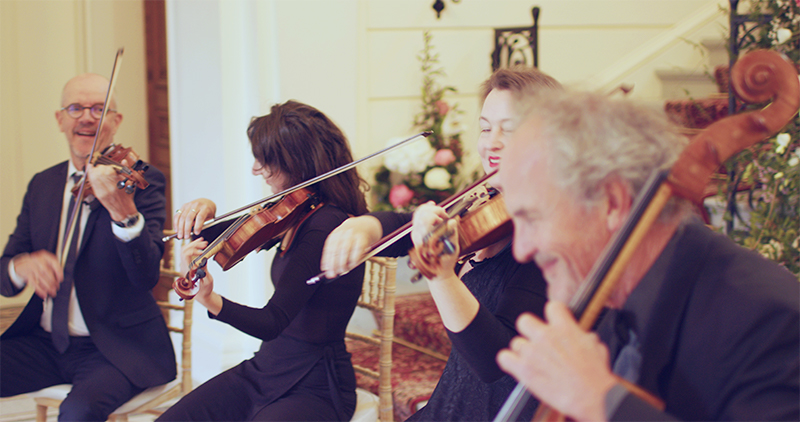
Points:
(722, 341)
(113, 278)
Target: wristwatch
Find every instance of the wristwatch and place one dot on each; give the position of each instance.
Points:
(128, 222)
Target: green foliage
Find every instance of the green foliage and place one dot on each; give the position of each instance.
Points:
(772, 170)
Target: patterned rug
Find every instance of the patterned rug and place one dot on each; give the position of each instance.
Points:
(414, 374)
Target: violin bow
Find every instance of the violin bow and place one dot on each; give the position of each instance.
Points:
(757, 77)
(309, 182)
(71, 226)
(399, 233)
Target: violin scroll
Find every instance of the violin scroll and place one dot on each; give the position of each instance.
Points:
(187, 287)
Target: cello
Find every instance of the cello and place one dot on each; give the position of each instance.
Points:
(758, 77)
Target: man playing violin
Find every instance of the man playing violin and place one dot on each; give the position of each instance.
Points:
(92, 323)
(705, 325)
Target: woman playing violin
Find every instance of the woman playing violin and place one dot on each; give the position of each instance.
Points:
(302, 370)
(479, 300)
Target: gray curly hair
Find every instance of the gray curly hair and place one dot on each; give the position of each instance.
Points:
(595, 139)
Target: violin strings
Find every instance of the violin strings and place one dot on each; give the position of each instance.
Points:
(119, 167)
(222, 237)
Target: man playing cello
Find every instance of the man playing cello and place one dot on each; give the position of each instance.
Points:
(707, 326)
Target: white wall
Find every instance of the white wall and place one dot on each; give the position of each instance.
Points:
(230, 61)
(353, 59)
(42, 45)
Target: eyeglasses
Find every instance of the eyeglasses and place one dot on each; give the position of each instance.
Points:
(76, 110)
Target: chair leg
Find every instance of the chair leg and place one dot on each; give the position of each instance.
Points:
(41, 413)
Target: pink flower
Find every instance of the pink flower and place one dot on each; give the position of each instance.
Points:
(444, 157)
(443, 108)
(400, 196)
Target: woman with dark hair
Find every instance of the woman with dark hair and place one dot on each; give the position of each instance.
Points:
(302, 370)
(478, 300)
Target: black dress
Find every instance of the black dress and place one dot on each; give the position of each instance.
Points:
(472, 386)
(302, 370)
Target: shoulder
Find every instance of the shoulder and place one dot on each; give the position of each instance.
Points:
(740, 274)
(154, 176)
(326, 218)
(153, 172)
(529, 272)
(56, 172)
(47, 181)
(737, 294)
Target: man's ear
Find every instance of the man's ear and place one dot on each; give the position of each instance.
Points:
(619, 202)
(117, 120)
(59, 117)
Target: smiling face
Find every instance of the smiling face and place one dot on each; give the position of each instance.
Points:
(86, 90)
(499, 118)
(551, 227)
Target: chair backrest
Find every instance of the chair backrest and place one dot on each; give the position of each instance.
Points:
(377, 295)
(170, 269)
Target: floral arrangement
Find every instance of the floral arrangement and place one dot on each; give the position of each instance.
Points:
(772, 170)
(424, 171)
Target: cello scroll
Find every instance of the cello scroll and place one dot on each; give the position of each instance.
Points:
(757, 77)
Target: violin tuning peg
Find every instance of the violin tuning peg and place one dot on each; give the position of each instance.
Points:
(129, 189)
(121, 184)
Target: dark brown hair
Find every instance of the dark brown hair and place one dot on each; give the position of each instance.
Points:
(520, 80)
(301, 143)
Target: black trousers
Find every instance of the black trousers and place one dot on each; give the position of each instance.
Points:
(239, 394)
(30, 363)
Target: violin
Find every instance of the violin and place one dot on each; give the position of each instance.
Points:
(262, 228)
(757, 77)
(113, 156)
(482, 221)
(265, 224)
(454, 204)
(226, 218)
